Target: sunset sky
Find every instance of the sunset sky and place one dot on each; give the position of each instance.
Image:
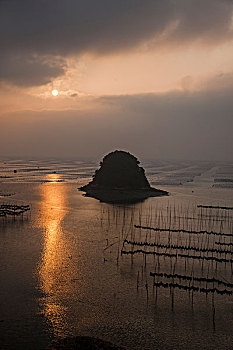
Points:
(154, 77)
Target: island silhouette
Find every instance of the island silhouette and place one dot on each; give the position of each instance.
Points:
(120, 179)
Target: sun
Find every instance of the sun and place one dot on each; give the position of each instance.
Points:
(54, 92)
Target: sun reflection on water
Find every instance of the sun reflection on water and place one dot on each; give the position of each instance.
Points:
(53, 178)
(55, 259)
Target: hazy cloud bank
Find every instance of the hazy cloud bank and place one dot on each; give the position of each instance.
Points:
(177, 125)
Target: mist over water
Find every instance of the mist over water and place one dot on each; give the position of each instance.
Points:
(75, 266)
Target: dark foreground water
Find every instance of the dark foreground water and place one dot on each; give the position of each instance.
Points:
(75, 266)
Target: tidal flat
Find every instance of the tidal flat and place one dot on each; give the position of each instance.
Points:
(152, 275)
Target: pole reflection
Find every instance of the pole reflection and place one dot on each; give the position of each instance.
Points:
(53, 276)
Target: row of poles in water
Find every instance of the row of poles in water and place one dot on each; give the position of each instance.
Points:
(13, 209)
(204, 226)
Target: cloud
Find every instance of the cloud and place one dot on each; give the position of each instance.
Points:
(71, 27)
(176, 125)
(30, 70)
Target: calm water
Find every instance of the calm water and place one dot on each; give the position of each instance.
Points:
(63, 272)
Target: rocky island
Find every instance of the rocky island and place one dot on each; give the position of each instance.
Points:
(120, 179)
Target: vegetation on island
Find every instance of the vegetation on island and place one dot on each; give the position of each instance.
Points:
(120, 179)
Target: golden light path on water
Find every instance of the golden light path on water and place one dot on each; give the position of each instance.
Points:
(55, 271)
(70, 264)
